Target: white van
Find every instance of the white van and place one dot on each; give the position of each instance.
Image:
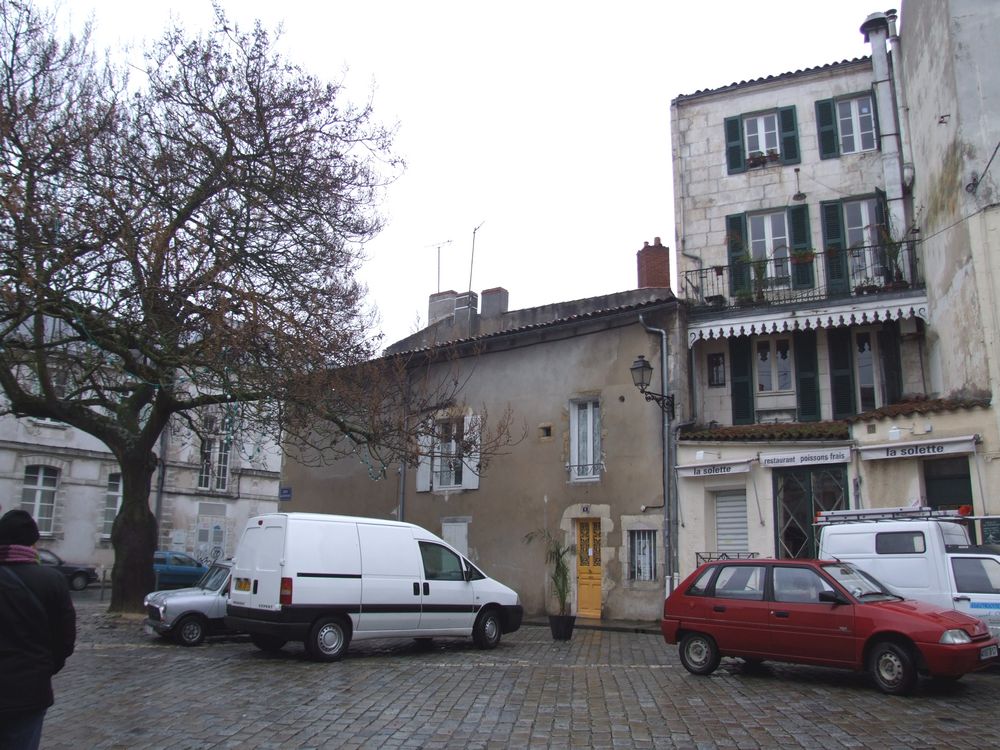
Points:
(326, 580)
(921, 554)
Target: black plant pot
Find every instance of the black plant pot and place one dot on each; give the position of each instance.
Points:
(562, 626)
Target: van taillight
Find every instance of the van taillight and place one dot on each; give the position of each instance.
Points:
(285, 596)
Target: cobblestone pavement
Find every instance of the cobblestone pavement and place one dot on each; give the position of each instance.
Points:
(124, 689)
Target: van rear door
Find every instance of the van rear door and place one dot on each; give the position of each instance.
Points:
(976, 580)
(257, 568)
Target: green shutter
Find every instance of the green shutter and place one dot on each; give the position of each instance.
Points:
(741, 379)
(837, 271)
(789, 136)
(826, 122)
(841, 372)
(891, 363)
(735, 158)
(806, 376)
(736, 246)
(803, 273)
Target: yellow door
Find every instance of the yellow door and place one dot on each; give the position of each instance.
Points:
(588, 567)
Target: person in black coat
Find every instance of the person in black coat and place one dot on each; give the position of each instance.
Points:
(37, 632)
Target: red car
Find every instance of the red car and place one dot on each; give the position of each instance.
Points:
(819, 612)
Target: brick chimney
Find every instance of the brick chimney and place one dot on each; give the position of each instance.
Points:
(653, 263)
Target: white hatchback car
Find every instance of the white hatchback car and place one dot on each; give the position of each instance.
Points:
(188, 615)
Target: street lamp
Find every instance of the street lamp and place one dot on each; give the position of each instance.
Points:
(642, 375)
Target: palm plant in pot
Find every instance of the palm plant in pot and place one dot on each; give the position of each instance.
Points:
(556, 552)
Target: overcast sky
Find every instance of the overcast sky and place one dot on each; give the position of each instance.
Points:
(545, 122)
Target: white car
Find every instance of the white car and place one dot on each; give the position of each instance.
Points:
(188, 615)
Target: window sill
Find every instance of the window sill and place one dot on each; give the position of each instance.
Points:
(584, 480)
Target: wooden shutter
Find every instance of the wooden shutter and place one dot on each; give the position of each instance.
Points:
(739, 268)
(741, 379)
(789, 136)
(828, 134)
(837, 271)
(878, 133)
(891, 363)
(735, 158)
(803, 273)
(806, 376)
(470, 461)
(425, 445)
(841, 372)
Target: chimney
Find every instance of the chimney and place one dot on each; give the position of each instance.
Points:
(442, 306)
(653, 263)
(495, 302)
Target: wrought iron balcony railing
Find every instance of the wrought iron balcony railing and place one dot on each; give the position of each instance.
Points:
(790, 278)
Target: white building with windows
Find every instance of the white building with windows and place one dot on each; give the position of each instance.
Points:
(71, 484)
(832, 361)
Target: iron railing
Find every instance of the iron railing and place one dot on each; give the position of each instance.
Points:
(797, 277)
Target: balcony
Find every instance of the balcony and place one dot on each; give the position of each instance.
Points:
(804, 278)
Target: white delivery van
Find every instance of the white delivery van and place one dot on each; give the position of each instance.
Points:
(921, 554)
(327, 580)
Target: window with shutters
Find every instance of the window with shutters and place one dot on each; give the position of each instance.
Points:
(757, 139)
(854, 254)
(766, 249)
(846, 126)
(861, 376)
(447, 462)
(449, 454)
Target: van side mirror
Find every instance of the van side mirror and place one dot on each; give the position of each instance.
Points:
(833, 597)
(466, 573)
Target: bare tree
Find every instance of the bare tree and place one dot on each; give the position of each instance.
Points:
(185, 239)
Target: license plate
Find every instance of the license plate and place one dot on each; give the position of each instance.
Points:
(989, 652)
(242, 584)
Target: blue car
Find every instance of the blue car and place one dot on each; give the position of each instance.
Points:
(176, 569)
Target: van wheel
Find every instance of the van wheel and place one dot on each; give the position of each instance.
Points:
(486, 632)
(267, 642)
(78, 582)
(699, 654)
(328, 639)
(190, 631)
(892, 668)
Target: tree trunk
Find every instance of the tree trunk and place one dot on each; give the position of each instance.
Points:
(134, 535)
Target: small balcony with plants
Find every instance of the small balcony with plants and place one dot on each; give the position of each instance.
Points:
(804, 277)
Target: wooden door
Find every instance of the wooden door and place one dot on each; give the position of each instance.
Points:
(588, 567)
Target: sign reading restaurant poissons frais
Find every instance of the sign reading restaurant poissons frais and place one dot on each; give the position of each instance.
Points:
(803, 458)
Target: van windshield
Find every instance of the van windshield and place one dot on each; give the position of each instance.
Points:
(860, 584)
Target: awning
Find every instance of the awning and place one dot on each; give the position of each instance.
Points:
(920, 448)
(768, 320)
(834, 455)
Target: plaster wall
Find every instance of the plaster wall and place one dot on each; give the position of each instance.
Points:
(528, 486)
(704, 193)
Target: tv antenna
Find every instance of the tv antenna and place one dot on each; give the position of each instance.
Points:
(439, 245)
(472, 258)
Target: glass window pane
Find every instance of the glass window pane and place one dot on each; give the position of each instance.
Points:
(783, 364)
(764, 379)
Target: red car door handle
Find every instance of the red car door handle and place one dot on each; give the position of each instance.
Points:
(718, 608)
(779, 613)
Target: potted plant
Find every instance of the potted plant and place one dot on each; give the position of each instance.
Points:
(556, 551)
(802, 256)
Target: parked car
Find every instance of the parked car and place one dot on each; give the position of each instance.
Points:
(825, 613)
(78, 575)
(176, 569)
(188, 615)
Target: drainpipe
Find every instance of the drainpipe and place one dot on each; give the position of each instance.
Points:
(668, 545)
(876, 31)
(904, 108)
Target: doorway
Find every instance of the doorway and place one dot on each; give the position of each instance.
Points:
(588, 567)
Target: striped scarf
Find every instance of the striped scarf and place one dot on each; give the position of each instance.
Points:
(17, 553)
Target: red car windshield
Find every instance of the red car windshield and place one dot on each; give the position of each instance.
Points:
(860, 584)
